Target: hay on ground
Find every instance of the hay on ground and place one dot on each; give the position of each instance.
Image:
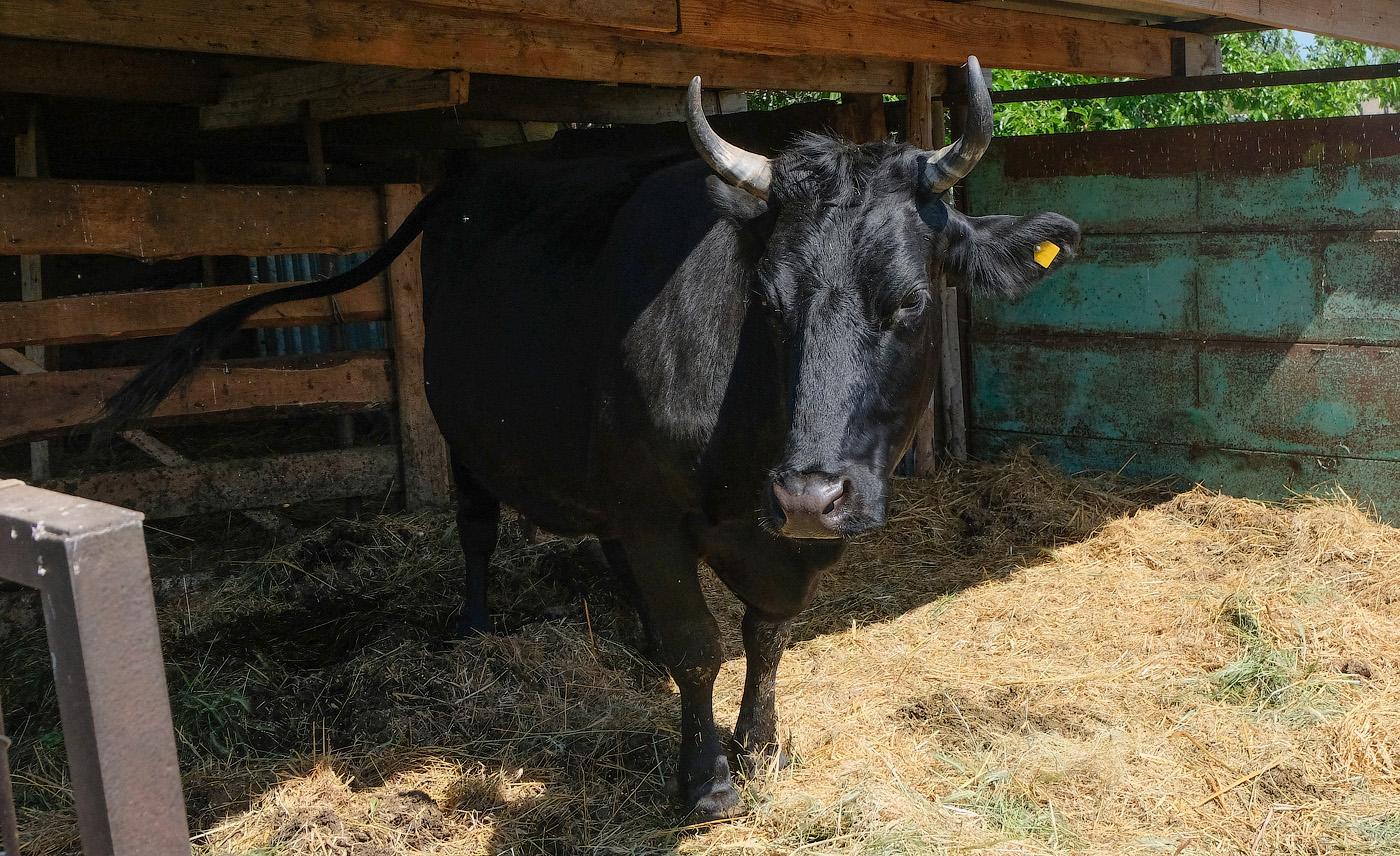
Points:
(1021, 663)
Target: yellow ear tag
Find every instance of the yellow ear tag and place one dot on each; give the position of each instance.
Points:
(1045, 253)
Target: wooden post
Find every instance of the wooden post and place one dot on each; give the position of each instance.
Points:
(316, 163)
(862, 117)
(422, 450)
(31, 279)
(926, 130)
(951, 377)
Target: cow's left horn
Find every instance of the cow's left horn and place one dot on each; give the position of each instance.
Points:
(949, 164)
(741, 168)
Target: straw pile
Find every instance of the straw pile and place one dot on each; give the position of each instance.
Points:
(1021, 663)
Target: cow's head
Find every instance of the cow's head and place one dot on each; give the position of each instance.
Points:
(853, 237)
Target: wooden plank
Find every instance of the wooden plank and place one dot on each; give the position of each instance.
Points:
(252, 483)
(37, 405)
(140, 439)
(324, 92)
(413, 35)
(1375, 22)
(1238, 472)
(132, 315)
(426, 473)
(648, 15)
(925, 31)
(114, 74)
(524, 99)
(47, 217)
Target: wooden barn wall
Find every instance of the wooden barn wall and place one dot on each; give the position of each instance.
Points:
(1234, 318)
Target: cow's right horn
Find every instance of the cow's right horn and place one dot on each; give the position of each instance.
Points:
(947, 166)
(741, 168)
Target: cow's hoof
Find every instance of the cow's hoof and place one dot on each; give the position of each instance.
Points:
(719, 802)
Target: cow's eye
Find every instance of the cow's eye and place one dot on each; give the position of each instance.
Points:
(912, 301)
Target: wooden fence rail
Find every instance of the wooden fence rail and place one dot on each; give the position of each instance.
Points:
(168, 221)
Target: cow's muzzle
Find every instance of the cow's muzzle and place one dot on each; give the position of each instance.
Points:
(812, 505)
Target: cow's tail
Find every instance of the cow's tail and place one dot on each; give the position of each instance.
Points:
(206, 337)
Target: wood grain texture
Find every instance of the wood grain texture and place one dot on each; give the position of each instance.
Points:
(110, 316)
(648, 15)
(925, 31)
(426, 473)
(323, 92)
(46, 216)
(114, 74)
(525, 99)
(36, 405)
(1373, 21)
(251, 483)
(412, 35)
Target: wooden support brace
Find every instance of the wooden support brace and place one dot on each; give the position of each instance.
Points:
(324, 92)
(426, 474)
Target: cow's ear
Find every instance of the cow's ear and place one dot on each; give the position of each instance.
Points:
(734, 203)
(1004, 256)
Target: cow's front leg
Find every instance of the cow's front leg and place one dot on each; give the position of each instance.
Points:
(686, 641)
(756, 733)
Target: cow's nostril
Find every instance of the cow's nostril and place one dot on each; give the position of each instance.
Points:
(838, 498)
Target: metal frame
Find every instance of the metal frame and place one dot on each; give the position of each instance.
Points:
(88, 561)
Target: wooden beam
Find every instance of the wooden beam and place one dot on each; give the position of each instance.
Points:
(413, 35)
(111, 316)
(1375, 22)
(50, 217)
(1198, 83)
(426, 474)
(39, 405)
(322, 92)
(647, 15)
(250, 483)
(524, 99)
(925, 31)
(114, 74)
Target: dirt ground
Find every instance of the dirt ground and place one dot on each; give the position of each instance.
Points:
(1020, 663)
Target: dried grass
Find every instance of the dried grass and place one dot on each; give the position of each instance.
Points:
(1021, 663)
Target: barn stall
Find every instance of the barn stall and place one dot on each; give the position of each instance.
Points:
(1230, 323)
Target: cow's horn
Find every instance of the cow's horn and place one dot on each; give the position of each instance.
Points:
(740, 168)
(949, 164)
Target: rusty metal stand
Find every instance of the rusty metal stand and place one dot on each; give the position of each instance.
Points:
(9, 824)
(88, 561)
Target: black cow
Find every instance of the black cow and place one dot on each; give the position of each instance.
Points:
(688, 365)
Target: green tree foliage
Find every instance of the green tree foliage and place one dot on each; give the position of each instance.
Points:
(1269, 50)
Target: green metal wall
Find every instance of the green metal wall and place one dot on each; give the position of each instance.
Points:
(1234, 317)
